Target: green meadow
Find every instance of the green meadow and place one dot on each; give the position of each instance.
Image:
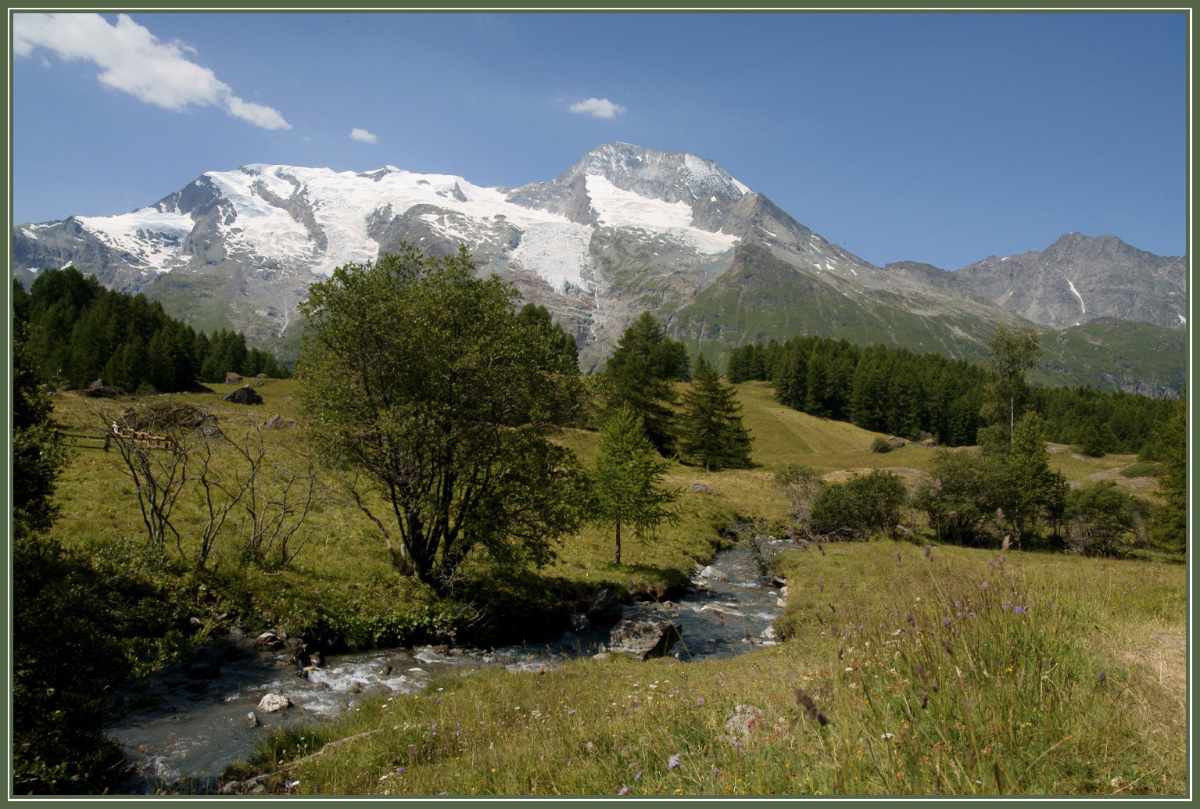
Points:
(941, 670)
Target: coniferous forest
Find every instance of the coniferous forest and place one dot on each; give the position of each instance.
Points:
(81, 332)
(896, 391)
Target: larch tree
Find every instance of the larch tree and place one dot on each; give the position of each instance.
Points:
(626, 486)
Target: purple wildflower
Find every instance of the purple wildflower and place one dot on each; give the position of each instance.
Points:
(637, 778)
(700, 702)
(1006, 605)
(672, 761)
(624, 791)
(1019, 610)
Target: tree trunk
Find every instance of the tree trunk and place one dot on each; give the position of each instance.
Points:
(618, 542)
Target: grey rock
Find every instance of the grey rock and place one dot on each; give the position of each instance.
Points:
(580, 622)
(700, 488)
(231, 378)
(713, 573)
(251, 720)
(270, 703)
(643, 638)
(742, 722)
(244, 395)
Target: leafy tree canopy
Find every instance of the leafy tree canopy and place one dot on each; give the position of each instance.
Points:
(421, 383)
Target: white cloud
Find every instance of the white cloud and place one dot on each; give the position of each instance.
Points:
(598, 108)
(134, 61)
(363, 136)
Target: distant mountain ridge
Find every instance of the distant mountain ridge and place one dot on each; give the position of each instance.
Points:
(624, 230)
(1079, 279)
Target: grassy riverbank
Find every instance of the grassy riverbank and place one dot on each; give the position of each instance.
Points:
(1060, 676)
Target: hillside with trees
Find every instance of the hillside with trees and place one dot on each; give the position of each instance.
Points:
(80, 331)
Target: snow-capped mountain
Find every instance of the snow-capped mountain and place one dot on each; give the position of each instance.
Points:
(624, 230)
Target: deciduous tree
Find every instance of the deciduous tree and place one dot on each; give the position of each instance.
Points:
(421, 383)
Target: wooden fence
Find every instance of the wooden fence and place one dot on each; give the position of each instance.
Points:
(134, 437)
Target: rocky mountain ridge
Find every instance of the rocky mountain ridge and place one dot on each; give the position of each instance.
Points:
(623, 231)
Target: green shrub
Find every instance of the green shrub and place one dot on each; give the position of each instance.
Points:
(1142, 469)
(1103, 520)
(880, 444)
(870, 503)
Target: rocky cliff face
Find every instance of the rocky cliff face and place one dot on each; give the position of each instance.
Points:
(1079, 279)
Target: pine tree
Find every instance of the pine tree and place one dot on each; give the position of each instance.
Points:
(625, 487)
(711, 428)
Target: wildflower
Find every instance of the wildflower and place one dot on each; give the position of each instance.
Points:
(1019, 610)
(700, 702)
(291, 784)
(885, 736)
(637, 778)
(672, 761)
(624, 791)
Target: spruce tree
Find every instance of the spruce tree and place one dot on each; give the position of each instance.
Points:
(711, 429)
(638, 375)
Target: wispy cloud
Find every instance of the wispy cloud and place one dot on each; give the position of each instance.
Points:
(134, 61)
(363, 136)
(598, 108)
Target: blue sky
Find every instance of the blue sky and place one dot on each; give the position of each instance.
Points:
(941, 138)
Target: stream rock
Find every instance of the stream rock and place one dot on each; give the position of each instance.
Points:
(713, 573)
(643, 638)
(271, 703)
(580, 622)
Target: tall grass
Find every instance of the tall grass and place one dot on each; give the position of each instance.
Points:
(952, 673)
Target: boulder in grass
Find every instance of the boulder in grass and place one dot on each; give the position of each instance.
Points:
(741, 723)
(895, 442)
(276, 422)
(231, 378)
(244, 395)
